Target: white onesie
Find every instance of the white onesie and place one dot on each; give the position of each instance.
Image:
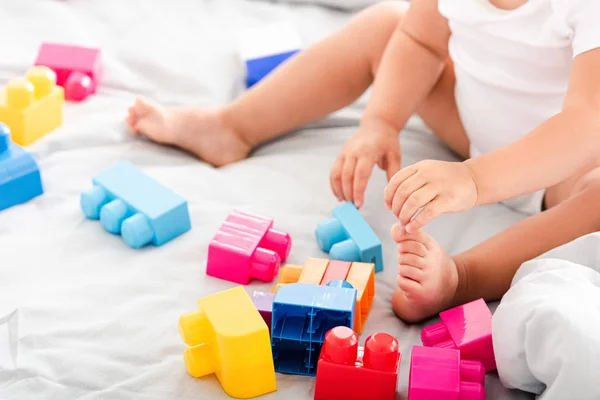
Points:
(512, 67)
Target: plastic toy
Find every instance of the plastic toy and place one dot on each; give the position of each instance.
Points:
(440, 374)
(20, 179)
(78, 69)
(467, 328)
(348, 237)
(132, 204)
(263, 49)
(302, 314)
(32, 106)
(263, 302)
(349, 372)
(320, 271)
(245, 247)
(227, 336)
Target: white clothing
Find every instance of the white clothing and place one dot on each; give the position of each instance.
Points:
(512, 67)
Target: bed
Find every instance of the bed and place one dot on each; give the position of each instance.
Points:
(83, 316)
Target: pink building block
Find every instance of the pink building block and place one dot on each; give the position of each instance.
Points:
(78, 69)
(467, 328)
(440, 374)
(246, 247)
(263, 301)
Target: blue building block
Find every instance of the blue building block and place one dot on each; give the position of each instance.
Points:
(264, 49)
(130, 203)
(348, 237)
(20, 178)
(302, 315)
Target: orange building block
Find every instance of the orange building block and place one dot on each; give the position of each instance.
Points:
(362, 277)
(32, 106)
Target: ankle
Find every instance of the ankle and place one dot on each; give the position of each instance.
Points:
(229, 120)
(462, 288)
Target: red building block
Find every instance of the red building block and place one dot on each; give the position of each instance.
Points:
(467, 328)
(440, 374)
(78, 69)
(336, 271)
(349, 372)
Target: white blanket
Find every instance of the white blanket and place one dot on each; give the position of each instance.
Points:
(82, 316)
(546, 330)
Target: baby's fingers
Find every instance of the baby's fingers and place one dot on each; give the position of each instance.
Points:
(335, 178)
(433, 210)
(348, 177)
(362, 173)
(415, 201)
(397, 179)
(404, 191)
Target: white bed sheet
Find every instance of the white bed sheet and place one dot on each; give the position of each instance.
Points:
(82, 316)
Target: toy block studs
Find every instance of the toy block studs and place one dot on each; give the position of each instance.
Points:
(348, 237)
(245, 247)
(467, 328)
(227, 336)
(131, 204)
(348, 372)
(440, 374)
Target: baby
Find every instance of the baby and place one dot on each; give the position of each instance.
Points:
(511, 86)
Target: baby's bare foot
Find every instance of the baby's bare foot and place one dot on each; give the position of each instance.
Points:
(200, 131)
(427, 276)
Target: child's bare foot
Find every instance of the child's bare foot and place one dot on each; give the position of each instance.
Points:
(427, 276)
(201, 132)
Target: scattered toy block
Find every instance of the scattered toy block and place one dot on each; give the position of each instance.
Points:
(264, 49)
(32, 106)
(302, 314)
(348, 237)
(246, 247)
(263, 302)
(467, 328)
(227, 337)
(440, 374)
(348, 372)
(78, 69)
(20, 179)
(321, 272)
(132, 204)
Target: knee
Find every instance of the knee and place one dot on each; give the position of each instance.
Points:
(387, 13)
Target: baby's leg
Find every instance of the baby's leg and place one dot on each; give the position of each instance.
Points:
(319, 80)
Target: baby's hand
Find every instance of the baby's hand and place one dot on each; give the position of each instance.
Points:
(371, 144)
(436, 186)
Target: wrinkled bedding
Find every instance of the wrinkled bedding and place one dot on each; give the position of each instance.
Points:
(82, 316)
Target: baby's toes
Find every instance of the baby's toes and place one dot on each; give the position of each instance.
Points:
(412, 247)
(418, 236)
(410, 272)
(410, 287)
(411, 260)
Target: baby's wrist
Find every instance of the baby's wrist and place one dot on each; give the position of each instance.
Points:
(376, 124)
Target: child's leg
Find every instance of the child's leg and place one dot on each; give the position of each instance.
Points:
(431, 281)
(319, 80)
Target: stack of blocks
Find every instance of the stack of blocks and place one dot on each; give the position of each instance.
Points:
(245, 247)
(32, 106)
(467, 328)
(349, 372)
(78, 69)
(20, 179)
(319, 271)
(132, 204)
(348, 237)
(302, 315)
(227, 337)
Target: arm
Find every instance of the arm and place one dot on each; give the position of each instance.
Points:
(552, 152)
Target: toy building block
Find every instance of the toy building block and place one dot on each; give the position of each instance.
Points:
(263, 302)
(302, 314)
(227, 337)
(467, 328)
(32, 106)
(20, 179)
(348, 237)
(264, 49)
(321, 271)
(440, 374)
(78, 69)
(348, 372)
(132, 204)
(246, 247)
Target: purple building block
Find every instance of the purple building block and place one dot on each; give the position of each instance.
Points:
(263, 301)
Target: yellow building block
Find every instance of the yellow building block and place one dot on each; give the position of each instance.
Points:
(362, 277)
(32, 106)
(228, 337)
(313, 271)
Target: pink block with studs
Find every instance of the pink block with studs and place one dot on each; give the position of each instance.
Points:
(467, 328)
(78, 69)
(246, 247)
(440, 374)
